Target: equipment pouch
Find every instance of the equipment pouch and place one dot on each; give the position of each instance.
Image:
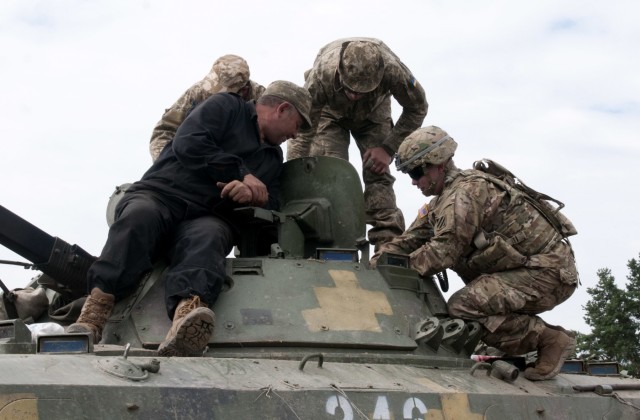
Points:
(29, 303)
(498, 255)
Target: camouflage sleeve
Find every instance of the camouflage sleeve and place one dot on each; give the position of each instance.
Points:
(411, 96)
(166, 128)
(301, 145)
(456, 217)
(413, 238)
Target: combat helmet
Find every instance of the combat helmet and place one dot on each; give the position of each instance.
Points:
(361, 66)
(232, 72)
(427, 145)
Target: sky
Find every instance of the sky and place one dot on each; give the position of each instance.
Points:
(550, 89)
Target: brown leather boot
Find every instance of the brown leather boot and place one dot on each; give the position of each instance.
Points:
(94, 314)
(191, 329)
(554, 346)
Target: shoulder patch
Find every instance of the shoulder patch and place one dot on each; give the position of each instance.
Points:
(442, 224)
(423, 212)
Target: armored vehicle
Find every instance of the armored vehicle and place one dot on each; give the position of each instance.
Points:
(305, 329)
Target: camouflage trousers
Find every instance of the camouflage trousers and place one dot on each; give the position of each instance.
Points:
(332, 139)
(506, 303)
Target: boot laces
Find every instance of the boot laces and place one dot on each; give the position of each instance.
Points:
(187, 305)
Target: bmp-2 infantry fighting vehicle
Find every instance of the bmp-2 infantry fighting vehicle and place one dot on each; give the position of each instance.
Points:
(305, 329)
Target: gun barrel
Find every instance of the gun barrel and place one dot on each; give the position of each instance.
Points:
(65, 265)
(23, 238)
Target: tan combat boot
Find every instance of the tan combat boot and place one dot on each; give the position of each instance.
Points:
(554, 346)
(191, 329)
(94, 314)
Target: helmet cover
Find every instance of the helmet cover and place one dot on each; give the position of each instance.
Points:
(427, 145)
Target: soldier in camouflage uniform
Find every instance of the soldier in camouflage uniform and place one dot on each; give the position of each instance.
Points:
(351, 84)
(509, 248)
(230, 73)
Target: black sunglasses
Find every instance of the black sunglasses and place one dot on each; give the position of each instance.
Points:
(416, 173)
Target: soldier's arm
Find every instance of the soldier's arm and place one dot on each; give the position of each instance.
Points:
(456, 218)
(301, 145)
(408, 92)
(413, 238)
(165, 129)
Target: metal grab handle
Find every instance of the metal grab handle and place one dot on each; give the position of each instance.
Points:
(310, 356)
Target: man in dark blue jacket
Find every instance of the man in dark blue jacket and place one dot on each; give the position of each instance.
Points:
(226, 154)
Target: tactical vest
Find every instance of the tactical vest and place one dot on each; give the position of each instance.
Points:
(527, 228)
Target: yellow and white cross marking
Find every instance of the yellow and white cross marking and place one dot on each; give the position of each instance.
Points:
(19, 406)
(346, 307)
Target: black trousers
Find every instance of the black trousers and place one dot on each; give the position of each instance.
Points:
(147, 226)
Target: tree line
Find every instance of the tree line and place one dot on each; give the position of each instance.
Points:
(613, 314)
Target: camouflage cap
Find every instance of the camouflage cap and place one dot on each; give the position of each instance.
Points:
(361, 66)
(427, 145)
(297, 96)
(232, 72)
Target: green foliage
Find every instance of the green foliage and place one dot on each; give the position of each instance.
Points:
(614, 317)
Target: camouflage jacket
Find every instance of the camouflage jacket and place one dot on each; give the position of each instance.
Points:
(478, 224)
(166, 128)
(326, 92)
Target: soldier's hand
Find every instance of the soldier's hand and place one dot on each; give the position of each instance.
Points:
(235, 191)
(258, 189)
(376, 160)
(373, 262)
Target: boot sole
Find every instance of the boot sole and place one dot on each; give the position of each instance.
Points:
(85, 329)
(192, 336)
(568, 349)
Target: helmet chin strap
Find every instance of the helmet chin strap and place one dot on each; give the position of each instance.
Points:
(430, 189)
